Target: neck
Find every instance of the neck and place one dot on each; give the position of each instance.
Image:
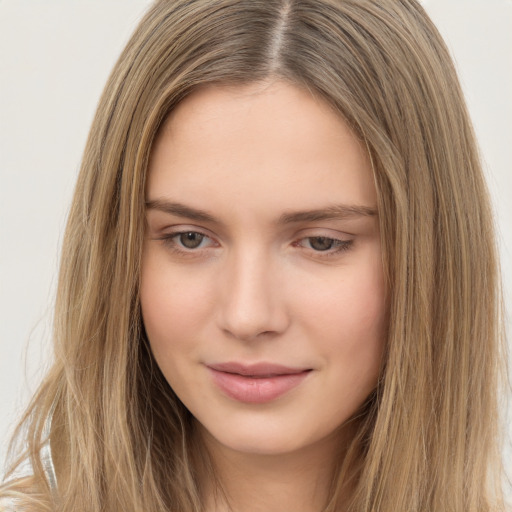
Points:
(300, 481)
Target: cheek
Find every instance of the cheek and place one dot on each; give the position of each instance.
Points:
(348, 320)
(173, 304)
(355, 347)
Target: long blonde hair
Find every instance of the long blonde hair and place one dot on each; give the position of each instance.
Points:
(427, 437)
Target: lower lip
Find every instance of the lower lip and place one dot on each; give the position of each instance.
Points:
(256, 390)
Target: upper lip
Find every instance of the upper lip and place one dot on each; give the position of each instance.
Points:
(263, 369)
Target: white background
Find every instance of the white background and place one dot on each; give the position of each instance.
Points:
(55, 57)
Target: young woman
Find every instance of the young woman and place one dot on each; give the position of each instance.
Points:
(279, 285)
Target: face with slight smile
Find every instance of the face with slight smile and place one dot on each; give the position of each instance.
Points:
(262, 286)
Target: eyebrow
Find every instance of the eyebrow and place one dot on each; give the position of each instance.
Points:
(180, 210)
(334, 212)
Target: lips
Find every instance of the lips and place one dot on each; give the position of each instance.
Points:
(256, 383)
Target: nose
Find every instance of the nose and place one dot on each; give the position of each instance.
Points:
(252, 298)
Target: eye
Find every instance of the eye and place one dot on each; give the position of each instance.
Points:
(190, 239)
(320, 243)
(187, 242)
(323, 245)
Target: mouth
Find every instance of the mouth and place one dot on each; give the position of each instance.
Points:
(256, 383)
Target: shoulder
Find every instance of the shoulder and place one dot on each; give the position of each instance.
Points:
(22, 504)
(17, 492)
(9, 505)
(21, 495)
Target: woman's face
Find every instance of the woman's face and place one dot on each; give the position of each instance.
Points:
(262, 286)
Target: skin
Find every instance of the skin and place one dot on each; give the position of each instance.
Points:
(259, 289)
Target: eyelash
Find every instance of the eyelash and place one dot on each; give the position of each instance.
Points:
(171, 241)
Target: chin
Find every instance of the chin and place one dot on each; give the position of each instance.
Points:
(267, 439)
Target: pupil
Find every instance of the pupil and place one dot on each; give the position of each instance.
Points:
(321, 243)
(191, 240)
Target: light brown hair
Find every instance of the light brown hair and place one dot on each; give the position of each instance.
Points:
(427, 437)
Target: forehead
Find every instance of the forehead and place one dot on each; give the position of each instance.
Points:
(273, 144)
